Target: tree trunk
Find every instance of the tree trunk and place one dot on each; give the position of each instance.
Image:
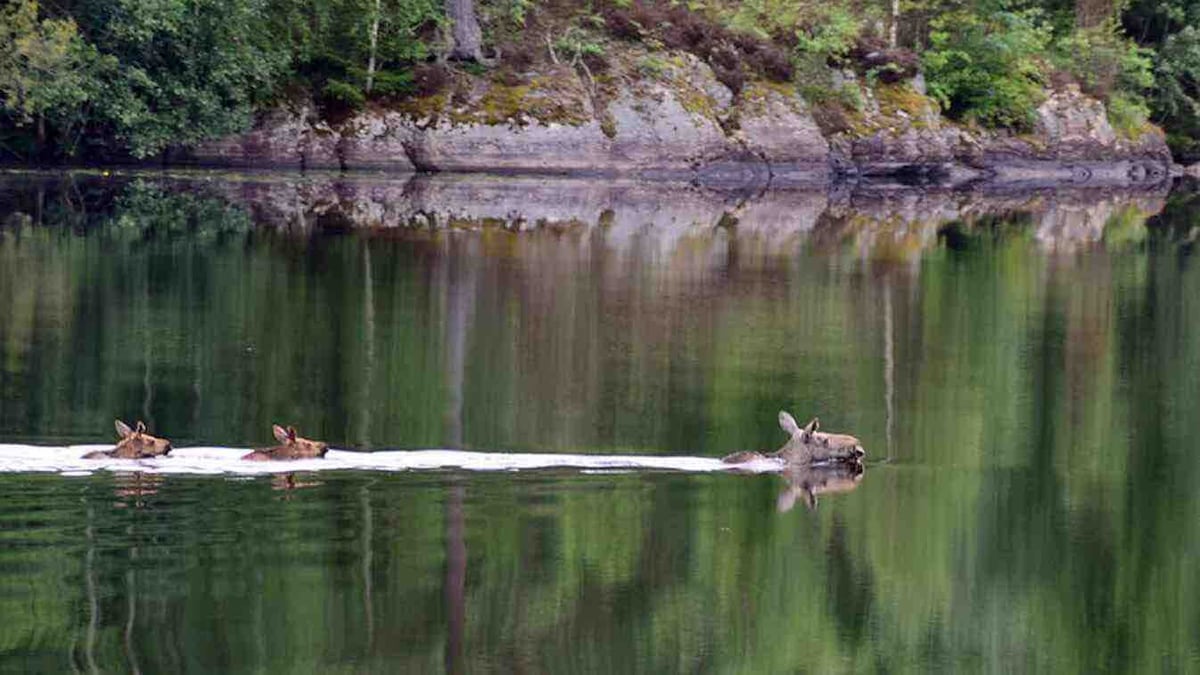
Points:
(468, 37)
(455, 585)
(374, 45)
(894, 28)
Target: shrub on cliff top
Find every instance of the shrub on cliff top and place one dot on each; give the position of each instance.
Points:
(734, 56)
(1176, 95)
(431, 79)
(872, 57)
(1103, 62)
(988, 69)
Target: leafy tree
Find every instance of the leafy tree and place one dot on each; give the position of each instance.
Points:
(346, 49)
(988, 69)
(1151, 22)
(1176, 93)
(44, 68)
(188, 69)
(1103, 61)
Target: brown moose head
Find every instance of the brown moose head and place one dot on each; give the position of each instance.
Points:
(135, 443)
(290, 446)
(811, 445)
(808, 445)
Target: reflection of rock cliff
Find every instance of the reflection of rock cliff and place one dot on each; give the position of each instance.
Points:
(879, 223)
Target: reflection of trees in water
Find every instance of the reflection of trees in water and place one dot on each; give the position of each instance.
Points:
(1035, 408)
(461, 289)
(93, 604)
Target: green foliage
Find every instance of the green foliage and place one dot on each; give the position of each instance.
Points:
(180, 72)
(499, 15)
(404, 21)
(324, 34)
(40, 64)
(47, 72)
(1152, 22)
(1103, 61)
(1176, 93)
(833, 36)
(765, 18)
(577, 43)
(988, 69)
(344, 93)
(393, 83)
(652, 66)
(1128, 114)
(145, 76)
(135, 77)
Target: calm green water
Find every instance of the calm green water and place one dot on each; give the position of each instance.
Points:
(1024, 370)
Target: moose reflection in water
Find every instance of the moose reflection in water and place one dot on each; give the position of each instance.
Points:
(807, 446)
(815, 462)
(290, 446)
(134, 444)
(132, 489)
(808, 481)
(288, 482)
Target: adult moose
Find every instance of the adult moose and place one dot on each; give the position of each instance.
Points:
(808, 445)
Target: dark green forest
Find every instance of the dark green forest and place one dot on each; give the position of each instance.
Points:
(133, 79)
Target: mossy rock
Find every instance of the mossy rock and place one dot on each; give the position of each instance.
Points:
(898, 109)
(549, 98)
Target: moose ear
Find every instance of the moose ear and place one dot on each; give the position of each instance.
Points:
(281, 434)
(812, 426)
(141, 427)
(123, 429)
(788, 424)
(292, 434)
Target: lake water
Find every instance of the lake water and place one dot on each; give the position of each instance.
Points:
(1023, 368)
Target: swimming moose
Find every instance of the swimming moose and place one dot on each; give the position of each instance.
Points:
(134, 444)
(807, 446)
(290, 446)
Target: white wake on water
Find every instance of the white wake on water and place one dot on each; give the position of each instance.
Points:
(69, 461)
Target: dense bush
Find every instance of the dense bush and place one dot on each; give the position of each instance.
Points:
(1175, 96)
(874, 58)
(1102, 61)
(342, 95)
(733, 55)
(988, 69)
(831, 37)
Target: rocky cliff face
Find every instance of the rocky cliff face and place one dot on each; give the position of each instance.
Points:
(1072, 141)
(676, 120)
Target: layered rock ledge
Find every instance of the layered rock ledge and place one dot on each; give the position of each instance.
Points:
(677, 121)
